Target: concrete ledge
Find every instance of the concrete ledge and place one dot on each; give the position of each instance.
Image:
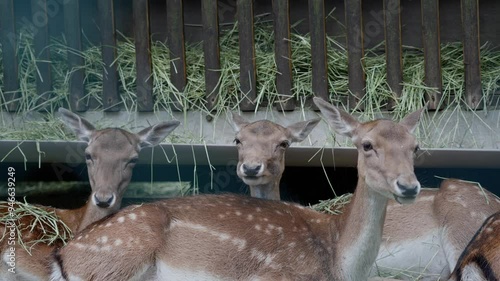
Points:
(72, 152)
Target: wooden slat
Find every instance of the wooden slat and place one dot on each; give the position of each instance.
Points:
(110, 95)
(392, 22)
(247, 55)
(355, 52)
(210, 23)
(73, 37)
(432, 51)
(144, 81)
(283, 54)
(9, 56)
(470, 24)
(318, 48)
(175, 33)
(42, 50)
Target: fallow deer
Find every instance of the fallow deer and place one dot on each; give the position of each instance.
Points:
(437, 228)
(110, 155)
(261, 152)
(480, 261)
(230, 237)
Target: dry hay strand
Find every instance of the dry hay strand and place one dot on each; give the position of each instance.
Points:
(32, 225)
(334, 206)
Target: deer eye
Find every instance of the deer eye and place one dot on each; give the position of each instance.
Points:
(284, 144)
(133, 160)
(417, 148)
(367, 146)
(237, 141)
(88, 157)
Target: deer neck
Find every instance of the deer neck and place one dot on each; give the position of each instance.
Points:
(78, 219)
(266, 191)
(361, 232)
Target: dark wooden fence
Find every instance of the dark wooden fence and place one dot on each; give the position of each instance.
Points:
(353, 9)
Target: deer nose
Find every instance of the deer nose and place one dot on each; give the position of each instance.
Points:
(250, 170)
(408, 191)
(104, 201)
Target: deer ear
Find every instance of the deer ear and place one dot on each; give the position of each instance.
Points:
(153, 135)
(81, 127)
(238, 122)
(341, 121)
(411, 120)
(300, 130)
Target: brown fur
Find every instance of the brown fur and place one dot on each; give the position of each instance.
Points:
(110, 171)
(482, 253)
(228, 237)
(263, 144)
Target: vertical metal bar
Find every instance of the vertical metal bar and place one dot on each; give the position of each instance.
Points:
(355, 52)
(175, 33)
(110, 95)
(210, 23)
(318, 48)
(144, 81)
(472, 62)
(247, 55)
(42, 50)
(432, 51)
(72, 30)
(8, 39)
(283, 54)
(392, 20)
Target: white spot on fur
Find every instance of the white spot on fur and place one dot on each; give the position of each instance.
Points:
(258, 227)
(108, 224)
(239, 243)
(278, 212)
(102, 240)
(258, 209)
(250, 217)
(238, 213)
(221, 216)
(118, 242)
(132, 216)
(120, 219)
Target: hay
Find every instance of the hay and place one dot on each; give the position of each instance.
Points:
(333, 206)
(193, 96)
(44, 227)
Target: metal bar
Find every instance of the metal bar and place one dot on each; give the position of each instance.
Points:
(110, 95)
(283, 54)
(210, 23)
(355, 52)
(247, 55)
(318, 48)
(392, 24)
(72, 30)
(143, 56)
(8, 39)
(472, 62)
(175, 33)
(432, 52)
(42, 51)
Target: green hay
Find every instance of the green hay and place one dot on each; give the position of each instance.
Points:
(44, 223)
(193, 97)
(334, 206)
